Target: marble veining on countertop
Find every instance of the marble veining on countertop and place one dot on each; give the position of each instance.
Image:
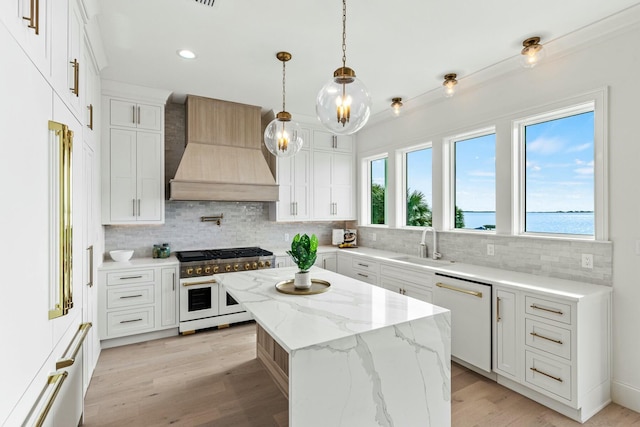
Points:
(350, 306)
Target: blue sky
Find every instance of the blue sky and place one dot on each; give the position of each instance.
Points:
(559, 168)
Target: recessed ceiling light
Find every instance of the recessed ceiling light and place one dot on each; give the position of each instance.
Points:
(186, 54)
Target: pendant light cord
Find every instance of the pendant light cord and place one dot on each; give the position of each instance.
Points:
(283, 84)
(344, 33)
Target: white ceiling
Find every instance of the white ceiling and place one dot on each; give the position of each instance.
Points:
(397, 47)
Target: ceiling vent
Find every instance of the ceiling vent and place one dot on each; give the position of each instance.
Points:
(206, 2)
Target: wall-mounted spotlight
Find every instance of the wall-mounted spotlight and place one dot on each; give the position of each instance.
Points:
(532, 52)
(449, 85)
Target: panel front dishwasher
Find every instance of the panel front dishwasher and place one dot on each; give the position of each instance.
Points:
(470, 305)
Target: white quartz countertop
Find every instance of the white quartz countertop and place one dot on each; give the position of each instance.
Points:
(349, 307)
(561, 288)
(139, 263)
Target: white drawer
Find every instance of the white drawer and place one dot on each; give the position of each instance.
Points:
(365, 265)
(129, 321)
(549, 375)
(128, 277)
(549, 338)
(552, 310)
(365, 276)
(130, 296)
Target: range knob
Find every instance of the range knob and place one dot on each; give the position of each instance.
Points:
(261, 264)
(199, 270)
(254, 265)
(216, 269)
(227, 268)
(267, 263)
(189, 271)
(236, 267)
(207, 270)
(247, 266)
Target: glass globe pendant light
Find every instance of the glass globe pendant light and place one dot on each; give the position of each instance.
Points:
(343, 105)
(283, 137)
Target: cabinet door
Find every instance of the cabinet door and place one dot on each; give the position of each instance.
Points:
(301, 186)
(122, 113)
(75, 64)
(123, 175)
(149, 117)
(342, 186)
(323, 140)
(150, 163)
(322, 203)
(506, 354)
(26, 103)
(169, 297)
(286, 182)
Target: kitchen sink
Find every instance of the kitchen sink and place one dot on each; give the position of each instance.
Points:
(420, 261)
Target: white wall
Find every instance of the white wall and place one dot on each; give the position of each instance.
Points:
(610, 60)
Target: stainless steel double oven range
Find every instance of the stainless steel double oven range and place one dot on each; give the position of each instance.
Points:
(203, 301)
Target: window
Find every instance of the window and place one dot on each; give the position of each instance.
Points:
(377, 190)
(418, 186)
(474, 181)
(558, 166)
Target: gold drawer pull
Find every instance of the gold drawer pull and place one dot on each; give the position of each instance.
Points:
(545, 338)
(34, 16)
(206, 282)
(131, 296)
(76, 77)
(535, 307)
(132, 320)
(547, 375)
(56, 379)
(83, 330)
(130, 277)
(464, 291)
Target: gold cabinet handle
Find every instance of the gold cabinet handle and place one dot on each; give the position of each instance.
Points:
(90, 108)
(130, 321)
(533, 334)
(90, 283)
(56, 380)
(464, 291)
(206, 282)
(34, 16)
(82, 331)
(76, 77)
(547, 375)
(535, 307)
(498, 309)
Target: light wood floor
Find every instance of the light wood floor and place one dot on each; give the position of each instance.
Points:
(213, 379)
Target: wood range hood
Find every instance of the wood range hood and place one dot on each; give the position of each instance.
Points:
(224, 158)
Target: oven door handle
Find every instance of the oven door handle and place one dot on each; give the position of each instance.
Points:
(205, 282)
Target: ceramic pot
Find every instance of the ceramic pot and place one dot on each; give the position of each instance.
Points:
(302, 280)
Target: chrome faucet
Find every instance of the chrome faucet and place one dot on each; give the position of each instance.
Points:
(423, 245)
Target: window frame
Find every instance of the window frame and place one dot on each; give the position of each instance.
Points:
(365, 217)
(449, 182)
(595, 103)
(401, 177)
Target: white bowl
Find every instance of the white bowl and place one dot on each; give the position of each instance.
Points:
(121, 256)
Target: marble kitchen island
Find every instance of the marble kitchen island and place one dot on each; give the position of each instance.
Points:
(357, 355)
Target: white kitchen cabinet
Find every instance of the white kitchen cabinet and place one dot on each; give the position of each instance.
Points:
(358, 267)
(326, 141)
(294, 187)
(506, 332)
(333, 177)
(130, 114)
(327, 261)
(136, 177)
(141, 297)
(169, 297)
(284, 261)
(132, 154)
(412, 282)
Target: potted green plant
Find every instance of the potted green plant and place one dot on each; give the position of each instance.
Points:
(303, 252)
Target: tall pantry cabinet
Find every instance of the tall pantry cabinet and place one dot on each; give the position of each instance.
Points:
(47, 321)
